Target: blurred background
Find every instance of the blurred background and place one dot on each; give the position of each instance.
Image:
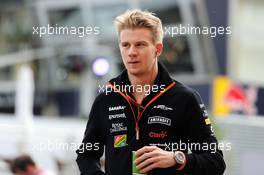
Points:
(48, 82)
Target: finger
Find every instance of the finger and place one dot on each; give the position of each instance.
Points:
(145, 156)
(145, 149)
(148, 162)
(149, 167)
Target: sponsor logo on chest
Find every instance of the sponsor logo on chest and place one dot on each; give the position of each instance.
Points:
(117, 116)
(120, 141)
(162, 107)
(116, 108)
(117, 127)
(159, 135)
(159, 120)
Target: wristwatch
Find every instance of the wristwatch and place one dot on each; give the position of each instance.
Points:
(180, 160)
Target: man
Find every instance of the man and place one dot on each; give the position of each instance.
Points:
(147, 112)
(24, 165)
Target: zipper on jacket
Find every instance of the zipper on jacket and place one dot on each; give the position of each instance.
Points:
(137, 127)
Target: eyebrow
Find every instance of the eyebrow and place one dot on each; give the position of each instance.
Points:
(141, 41)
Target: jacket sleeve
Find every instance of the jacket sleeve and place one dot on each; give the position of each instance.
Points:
(92, 146)
(206, 158)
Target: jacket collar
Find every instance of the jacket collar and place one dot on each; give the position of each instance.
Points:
(163, 78)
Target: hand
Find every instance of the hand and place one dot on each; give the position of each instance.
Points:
(150, 157)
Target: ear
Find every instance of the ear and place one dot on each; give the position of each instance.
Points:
(159, 49)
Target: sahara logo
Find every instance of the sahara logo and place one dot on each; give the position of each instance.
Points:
(116, 108)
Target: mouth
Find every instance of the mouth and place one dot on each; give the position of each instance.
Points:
(133, 62)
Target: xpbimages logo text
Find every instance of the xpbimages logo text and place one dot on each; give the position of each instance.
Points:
(57, 145)
(212, 31)
(80, 31)
(147, 89)
(192, 146)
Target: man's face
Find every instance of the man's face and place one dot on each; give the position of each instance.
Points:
(138, 51)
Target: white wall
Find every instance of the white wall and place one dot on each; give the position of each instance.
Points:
(246, 44)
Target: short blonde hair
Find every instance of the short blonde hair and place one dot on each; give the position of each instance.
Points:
(133, 19)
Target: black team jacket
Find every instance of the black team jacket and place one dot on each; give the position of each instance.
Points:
(174, 118)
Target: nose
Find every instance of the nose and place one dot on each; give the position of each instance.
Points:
(132, 51)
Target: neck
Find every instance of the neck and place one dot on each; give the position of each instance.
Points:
(143, 80)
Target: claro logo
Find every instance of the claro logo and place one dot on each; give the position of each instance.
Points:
(161, 135)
